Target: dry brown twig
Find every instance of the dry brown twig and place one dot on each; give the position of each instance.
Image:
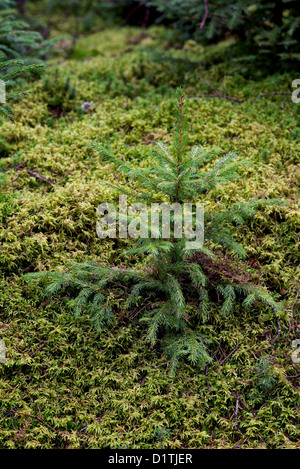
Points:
(236, 410)
(205, 15)
(292, 323)
(230, 98)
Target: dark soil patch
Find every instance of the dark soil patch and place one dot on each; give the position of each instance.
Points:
(223, 268)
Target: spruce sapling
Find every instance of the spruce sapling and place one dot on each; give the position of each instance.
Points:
(172, 282)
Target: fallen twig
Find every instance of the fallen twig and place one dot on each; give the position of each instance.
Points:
(40, 414)
(226, 358)
(137, 311)
(279, 330)
(217, 95)
(134, 9)
(236, 446)
(206, 369)
(12, 411)
(165, 363)
(293, 376)
(38, 176)
(63, 177)
(208, 385)
(219, 346)
(236, 410)
(39, 348)
(72, 47)
(273, 94)
(205, 16)
(245, 405)
(230, 98)
(292, 310)
(14, 179)
(35, 173)
(43, 421)
(27, 268)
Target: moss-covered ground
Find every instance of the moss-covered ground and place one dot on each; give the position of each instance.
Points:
(63, 386)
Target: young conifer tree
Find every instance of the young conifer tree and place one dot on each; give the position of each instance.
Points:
(176, 278)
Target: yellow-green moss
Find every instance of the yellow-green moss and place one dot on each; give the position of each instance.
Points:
(113, 390)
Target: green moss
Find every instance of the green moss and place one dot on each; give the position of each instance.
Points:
(64, 386)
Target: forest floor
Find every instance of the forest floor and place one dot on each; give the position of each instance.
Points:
(64, 386)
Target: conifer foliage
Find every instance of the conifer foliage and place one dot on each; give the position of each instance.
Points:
(174, 293)
(268, 30)
(19, 40)
(10, 70)
(15, 42)
(16, 39)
